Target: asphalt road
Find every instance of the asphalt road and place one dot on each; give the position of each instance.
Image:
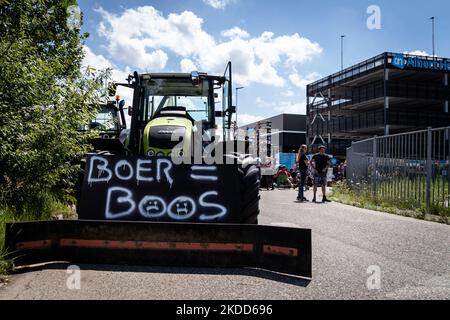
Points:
(413, 257)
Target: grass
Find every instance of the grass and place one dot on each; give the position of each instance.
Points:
(410, 194)
(50, 208)
(409, 205)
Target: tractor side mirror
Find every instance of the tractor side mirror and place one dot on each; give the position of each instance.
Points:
(130, 111)
(122, 104)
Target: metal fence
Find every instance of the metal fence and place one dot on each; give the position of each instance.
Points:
(408, 170)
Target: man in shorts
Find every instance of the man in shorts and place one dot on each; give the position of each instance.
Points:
(321, 163)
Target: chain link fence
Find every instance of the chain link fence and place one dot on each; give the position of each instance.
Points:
(409, 170)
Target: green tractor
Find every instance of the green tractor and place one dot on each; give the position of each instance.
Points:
(174, 117)
(110, 120)
(162, 196)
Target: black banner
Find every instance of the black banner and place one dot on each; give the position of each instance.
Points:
(155, 189)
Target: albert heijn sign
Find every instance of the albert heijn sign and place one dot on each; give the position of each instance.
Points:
(155, 189)
(403, 61)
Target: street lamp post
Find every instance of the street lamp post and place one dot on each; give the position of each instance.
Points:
(342, 52)
(432, 34)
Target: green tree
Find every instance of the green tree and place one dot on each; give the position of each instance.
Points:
(44, 99)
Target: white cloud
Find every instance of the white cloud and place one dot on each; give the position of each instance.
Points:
(288, 93)
(94, 61)
(287, 106)
(297, 49)
(301, 82)
(187, 66)
(262, 103)
(235, 32)
(245, 119)
(217, 4)
(141, 37)
(99, 62)
(418, 53)
(291, 107)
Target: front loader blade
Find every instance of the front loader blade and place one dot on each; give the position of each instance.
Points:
(284, 250)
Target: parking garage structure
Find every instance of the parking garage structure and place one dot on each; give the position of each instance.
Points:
(388, 94)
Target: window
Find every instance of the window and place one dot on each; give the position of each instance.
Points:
(178, 93)
(105, 120)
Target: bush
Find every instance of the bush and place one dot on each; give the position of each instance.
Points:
(45, 99)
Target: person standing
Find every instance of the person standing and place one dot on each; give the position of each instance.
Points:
(321, 163)
(268, 171)
(303, 164)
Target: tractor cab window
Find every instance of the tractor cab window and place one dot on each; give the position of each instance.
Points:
(105, 120)
(177, 95)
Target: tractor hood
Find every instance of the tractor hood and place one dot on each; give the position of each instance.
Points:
(166, 135)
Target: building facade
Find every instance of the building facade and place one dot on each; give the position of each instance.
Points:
(283, 134)
(286, 131)
(390, 93)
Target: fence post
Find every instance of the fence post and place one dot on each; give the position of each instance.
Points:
(447, 137)
(348, 171)
(429, 167)
(374, 166)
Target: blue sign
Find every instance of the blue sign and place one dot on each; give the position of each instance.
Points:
(288, 160)
(399, 61)
(402, 61)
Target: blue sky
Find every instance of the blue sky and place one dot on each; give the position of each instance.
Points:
(276, 46)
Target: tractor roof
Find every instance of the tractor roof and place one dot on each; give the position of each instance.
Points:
(166, 75)
(148, 76)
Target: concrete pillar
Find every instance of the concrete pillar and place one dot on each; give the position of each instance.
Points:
(308, 125)
(386, 104)
(386, 113)
(330, 104)
(446, 101)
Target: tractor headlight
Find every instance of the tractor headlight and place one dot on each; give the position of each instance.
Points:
(151, 153)
(160, 154)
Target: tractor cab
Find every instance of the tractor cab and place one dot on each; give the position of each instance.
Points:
(111, 125)
(110, 120)
(168, 109)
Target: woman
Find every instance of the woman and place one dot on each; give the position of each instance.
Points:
(303, 164)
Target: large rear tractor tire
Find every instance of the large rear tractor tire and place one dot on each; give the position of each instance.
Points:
(249, 200)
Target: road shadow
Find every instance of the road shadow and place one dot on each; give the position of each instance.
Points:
(318, 203)
(249, 272)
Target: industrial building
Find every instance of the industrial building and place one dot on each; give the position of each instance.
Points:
(288, 130)
(284, 133)
(390, 93)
